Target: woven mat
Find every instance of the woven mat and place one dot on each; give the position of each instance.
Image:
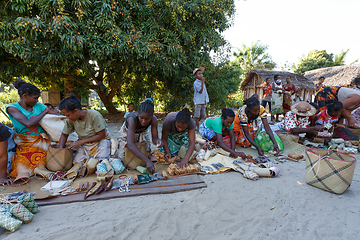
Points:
(34, 185)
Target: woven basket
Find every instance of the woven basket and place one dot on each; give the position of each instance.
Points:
(284, 135)
(59, 159)
(131, 161)
(329, 170)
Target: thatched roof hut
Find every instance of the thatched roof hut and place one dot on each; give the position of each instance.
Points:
(255, 80)
(335, 76)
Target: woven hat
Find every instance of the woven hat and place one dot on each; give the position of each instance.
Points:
(303, 109)
(200, 68)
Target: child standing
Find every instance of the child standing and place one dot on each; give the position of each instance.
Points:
(130, 108)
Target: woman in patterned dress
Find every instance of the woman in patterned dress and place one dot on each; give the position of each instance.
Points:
(289, 90)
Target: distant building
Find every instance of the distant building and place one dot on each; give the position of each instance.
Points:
(255, 80)
(335, 76)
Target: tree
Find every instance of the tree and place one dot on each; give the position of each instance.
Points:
(320, 59)
(119, 43)
(253, 57)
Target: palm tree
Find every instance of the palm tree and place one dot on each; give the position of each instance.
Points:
(253, 57)
(340, 58)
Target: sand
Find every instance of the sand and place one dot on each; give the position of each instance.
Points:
(231, 207)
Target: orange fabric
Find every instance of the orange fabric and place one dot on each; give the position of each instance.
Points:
(30, 153)
(240, 138)
(237, 126)
(267, 91)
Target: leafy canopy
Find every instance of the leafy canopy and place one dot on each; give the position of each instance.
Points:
(320, 59)
(150, 45)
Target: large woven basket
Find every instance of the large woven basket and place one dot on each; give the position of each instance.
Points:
(329, 170)
(59, 159)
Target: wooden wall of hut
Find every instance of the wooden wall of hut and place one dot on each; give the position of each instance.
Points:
(249, 91)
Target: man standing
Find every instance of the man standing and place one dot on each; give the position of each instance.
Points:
(201, 97)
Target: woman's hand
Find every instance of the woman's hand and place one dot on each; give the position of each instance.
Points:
(182, 162)
(241, 154)
(167, 156)
(150, 167)
(276, 149)
(159, 143)
(76, 144)
(316, 129)
(260, 151)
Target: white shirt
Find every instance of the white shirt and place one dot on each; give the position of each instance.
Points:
(200, 98)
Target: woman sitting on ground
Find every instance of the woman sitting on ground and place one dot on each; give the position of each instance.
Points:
(243, 125)
(178, 130)
(134, 130)
(297, 120)
(94, 139)
(30, 138)
(215, 128)
(350, 98)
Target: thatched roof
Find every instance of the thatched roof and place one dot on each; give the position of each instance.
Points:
(335, 76)
(298, 80)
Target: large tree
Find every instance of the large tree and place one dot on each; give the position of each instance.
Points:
(119, 43)
(320, 59)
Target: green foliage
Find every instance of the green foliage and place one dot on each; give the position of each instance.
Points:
(135, 47)
(8, 94)
(253, 57)
(320, 59)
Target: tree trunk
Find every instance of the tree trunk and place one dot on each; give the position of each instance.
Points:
(108, 103)
(68, 87)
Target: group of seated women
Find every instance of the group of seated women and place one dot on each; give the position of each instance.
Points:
(227, 130)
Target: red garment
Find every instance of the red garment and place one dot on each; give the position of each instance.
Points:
(267, 91)
(324, 117)
(287, 101)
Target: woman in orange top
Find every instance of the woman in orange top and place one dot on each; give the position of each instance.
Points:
(244, 132)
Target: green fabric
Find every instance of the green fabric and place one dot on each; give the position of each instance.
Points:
(176, 140)
(21, 129)
(215, 123)
(262, 139)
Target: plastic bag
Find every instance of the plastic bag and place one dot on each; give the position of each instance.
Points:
(262, 139)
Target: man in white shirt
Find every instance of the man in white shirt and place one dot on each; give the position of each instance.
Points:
(201, 97)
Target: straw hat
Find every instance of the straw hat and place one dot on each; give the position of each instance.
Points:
(303, 109)
(200, 68)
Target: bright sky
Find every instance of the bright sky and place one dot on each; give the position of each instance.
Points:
(291, 28)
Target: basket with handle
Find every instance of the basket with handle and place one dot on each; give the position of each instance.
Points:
(329, 170)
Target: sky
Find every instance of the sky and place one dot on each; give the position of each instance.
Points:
(291, 29)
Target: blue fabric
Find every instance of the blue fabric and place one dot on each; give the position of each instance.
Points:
(11, 147)
(206, 132)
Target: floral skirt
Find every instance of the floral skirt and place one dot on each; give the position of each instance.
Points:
(30, 153)
(277, 104)
(240, 138)
(176, 140)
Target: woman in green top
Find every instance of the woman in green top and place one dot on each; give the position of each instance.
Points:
(94, 139)
(215, 128)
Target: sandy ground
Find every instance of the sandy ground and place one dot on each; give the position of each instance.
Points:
(231, 207)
